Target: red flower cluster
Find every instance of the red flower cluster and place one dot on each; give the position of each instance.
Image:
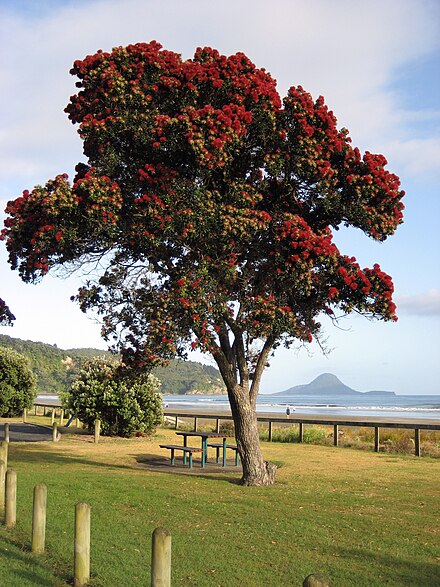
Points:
(198, 174)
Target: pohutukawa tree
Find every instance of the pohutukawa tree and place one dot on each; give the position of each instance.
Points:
(6, 316)
(209, 204)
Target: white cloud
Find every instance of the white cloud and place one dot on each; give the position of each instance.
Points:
(424, 304)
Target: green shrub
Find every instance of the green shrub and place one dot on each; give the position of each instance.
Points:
(123, 404)
(17, 383)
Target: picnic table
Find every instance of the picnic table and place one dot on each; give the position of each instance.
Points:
(205, 436)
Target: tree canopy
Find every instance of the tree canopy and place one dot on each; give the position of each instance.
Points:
(17, 383)
(123, 405)
(208, 206)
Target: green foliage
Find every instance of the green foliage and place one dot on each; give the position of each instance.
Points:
(55, 369)
(17, 383)
(180, 377)
(124, 406)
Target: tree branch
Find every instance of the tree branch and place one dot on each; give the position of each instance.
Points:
(261, 363)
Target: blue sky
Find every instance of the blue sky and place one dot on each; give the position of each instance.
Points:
(376, 63)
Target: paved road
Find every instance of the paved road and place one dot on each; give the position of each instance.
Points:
(20, 432)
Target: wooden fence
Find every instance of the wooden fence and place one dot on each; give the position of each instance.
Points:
(417, 425)
(301, 421)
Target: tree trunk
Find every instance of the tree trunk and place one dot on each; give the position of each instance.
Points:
(256, 471)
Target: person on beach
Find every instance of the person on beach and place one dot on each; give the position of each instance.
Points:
(288, 411)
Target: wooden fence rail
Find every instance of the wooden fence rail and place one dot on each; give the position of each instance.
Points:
(336, 422)
(417, 425)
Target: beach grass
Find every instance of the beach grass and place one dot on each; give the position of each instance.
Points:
(360, 518)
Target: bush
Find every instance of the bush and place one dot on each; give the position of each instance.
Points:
(123, 404)
(17, 383)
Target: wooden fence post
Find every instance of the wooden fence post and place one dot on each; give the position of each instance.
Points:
(97, 431)
(39, 518)
(161, 558)
(4, 450)
(195, 424)
(81, 572)
(2, 488)
(25, 415)
(376, 439)
(217, 425)
(6, 431)
(61, 417)
(316, 580)
(54, 432)
(301, 432)
(176, 423)
(417, 442)
(52, 417)
(11, 498)
(335, 435)
(270, 431)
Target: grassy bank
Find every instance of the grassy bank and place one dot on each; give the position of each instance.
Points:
(361, 518)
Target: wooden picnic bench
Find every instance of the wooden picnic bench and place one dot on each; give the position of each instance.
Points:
(220, 446)
(187, 450)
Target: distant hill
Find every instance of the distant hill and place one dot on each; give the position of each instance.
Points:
(56, 368)
(327, 385)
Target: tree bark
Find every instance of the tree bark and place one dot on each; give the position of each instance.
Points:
(256, 471)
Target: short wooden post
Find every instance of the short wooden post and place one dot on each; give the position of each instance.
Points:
(2, 488)
(25, 415)
(44, 410)
(417, 442)
(10, 498)
(54, 432)
(161, 558)
(77, 422)
(62, 417)
(195, 424)
(335, 435)
(81, 571)
(97, 431)
(376, 439)
(4, 450)
(301, 432)
(217, 425)
(39, 518)
(6, 431)
(52, 417)
(316, 580)
(270, 430)
(176, 423)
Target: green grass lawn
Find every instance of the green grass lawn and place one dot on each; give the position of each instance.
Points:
(363, 519)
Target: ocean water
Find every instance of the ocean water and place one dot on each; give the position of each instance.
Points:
(389, 406)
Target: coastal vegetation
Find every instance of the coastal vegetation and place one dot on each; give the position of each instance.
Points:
(17, 383)
(55, 369)
(124, 405)
(361, 519)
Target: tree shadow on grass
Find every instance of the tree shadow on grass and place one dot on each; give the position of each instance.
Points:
(41, 456)
(18, 557)
(212, 471)
(398, 571)
(150, 462)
